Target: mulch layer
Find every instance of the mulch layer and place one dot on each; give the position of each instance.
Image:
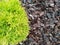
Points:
(44, 21)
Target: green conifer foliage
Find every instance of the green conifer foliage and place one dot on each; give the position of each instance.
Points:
(14, 25)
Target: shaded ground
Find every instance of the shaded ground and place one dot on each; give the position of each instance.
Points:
(44, 17)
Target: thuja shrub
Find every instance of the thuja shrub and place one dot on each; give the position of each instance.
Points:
(14, 25)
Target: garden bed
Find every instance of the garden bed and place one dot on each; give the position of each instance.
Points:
(44, 18)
